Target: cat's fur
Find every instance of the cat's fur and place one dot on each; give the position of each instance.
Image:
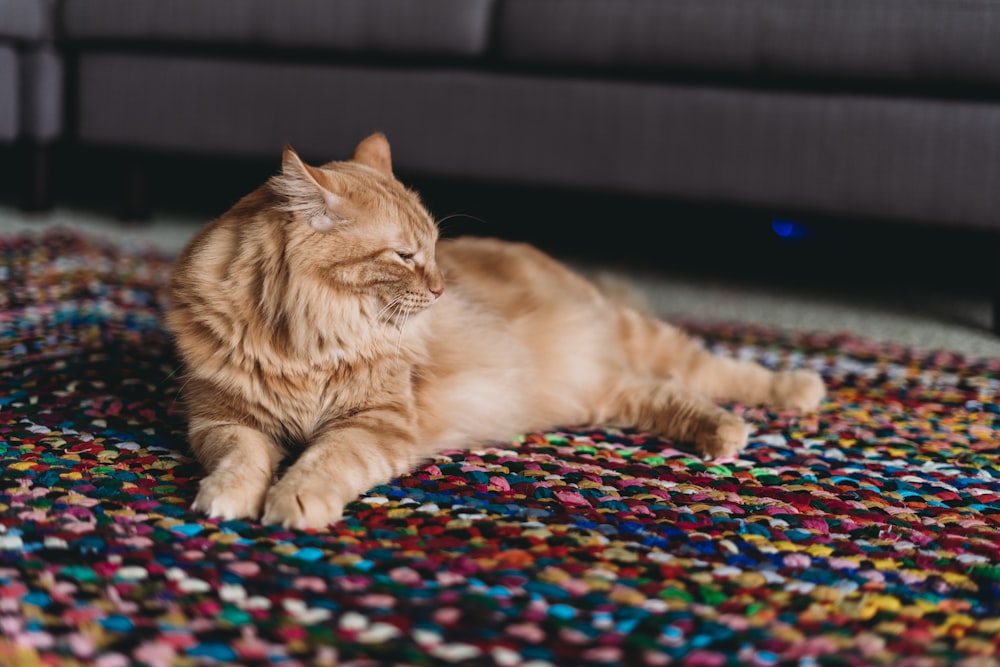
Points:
(321, 318)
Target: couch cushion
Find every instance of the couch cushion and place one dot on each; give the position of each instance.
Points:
(432, 27)
(42, 87)
(27, 20)
(910, 40)
(897, 157)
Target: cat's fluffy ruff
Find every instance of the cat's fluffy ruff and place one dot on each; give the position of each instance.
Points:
(320, 319)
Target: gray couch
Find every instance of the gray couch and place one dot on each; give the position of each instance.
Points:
(31, 91)
(878, 109)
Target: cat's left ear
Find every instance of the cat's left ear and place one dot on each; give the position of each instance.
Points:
(304, 194)
(374, 152)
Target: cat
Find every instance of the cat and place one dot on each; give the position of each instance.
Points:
(322, 321)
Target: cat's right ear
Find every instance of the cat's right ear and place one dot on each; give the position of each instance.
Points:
(303, 194)
(374, 152)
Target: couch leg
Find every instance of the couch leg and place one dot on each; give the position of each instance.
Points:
(37, 185)
(993, 273)
(135, 190)
(996, 307)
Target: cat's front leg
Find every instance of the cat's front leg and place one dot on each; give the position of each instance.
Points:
(240, 463)
(333, 470)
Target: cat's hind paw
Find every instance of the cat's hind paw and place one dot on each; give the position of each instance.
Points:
(301, 508)
(798, 389)
(226, 494)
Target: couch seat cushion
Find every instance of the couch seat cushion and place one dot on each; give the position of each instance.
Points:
(426, 27)
(10, 98)
(899, 40)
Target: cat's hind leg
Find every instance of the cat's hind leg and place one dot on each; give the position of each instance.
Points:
(240, 462)
(726, 379)
(797, 389)
(669, 409)
(665, 351)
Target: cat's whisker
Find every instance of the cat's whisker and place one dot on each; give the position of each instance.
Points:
(406, 313)
(399, 337)
(394, 304)
(180, 390)
(383, 309)
(451, 216)
(398, 311)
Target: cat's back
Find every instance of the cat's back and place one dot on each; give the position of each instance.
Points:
(513, 275)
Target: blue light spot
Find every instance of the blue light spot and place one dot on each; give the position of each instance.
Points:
(789, 229)
(783, 228)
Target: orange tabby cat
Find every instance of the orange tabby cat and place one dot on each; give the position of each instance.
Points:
(321, 319)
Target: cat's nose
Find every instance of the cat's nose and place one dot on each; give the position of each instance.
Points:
(437, 291)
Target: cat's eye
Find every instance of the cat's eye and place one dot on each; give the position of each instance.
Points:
(405, 256)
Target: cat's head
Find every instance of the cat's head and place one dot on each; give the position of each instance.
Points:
(359, 230)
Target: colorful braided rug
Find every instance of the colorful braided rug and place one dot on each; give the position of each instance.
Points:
(866, 534)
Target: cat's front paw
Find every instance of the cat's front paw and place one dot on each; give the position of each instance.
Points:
(797, 390)
(297, 506)
(726, 438)
(229, 494)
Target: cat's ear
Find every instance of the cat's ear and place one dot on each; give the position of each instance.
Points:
(304, 195)
(374, 152)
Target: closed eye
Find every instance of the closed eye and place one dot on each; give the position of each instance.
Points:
(405, 256)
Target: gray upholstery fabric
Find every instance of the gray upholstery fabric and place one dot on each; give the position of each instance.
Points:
(916, 159)
(9, 93)
(451, 27)
(910, 40)
(31, 72)
(42, 78)
(28, 20)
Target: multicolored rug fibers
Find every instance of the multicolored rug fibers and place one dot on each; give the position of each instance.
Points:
(866, 534)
